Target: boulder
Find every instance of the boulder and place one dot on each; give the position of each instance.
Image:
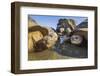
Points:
(31, 22)
(51, 38)
(40, 37)
(35, 34)
(45, 41)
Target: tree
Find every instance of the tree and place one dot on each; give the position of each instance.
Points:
(65, 23)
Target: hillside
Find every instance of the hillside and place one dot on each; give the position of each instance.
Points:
(31, 22)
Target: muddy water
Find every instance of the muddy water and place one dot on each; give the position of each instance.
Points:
(64, 51)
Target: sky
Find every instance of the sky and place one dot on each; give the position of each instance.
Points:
(51, 21)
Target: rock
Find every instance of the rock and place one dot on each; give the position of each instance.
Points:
(33, 37)
(45, 42)
(40, 46)
(51, 38)
(35, 34)
(40, 37)
(31, 22)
